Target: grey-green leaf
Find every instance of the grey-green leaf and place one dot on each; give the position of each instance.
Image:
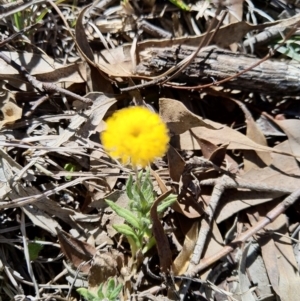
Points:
(86, 294)
(167, 203)
(125, 213)
(129, 184)
(116, 292)
(128, 232)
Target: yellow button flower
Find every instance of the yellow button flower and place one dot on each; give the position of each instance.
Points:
(135, 135)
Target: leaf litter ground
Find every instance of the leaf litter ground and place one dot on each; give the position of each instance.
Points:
(223, 76)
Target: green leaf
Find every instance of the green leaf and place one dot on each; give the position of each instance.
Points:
(86, 294)
(71, 168)
(34, 249)
(133, 246)
(125, 213)
(136, 193)
(151, 243)
(128, 232)
(100, 292)
(167, 203)
(146, 182)
(290, 52)
(180, 4)
(116, 292)
(110, 287)
(129, 184)
(147, 189)
(140, 175)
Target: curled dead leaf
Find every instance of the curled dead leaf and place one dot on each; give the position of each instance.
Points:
(10, 111)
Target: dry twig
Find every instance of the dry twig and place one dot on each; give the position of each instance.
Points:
(270, 216)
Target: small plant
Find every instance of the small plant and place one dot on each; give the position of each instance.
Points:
(34, 249)
(291, 48)
(141, 197)
(108, 292)
(71, 168)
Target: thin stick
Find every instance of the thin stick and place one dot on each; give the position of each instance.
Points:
(27, 257)
(220, 184)
(40, 86)
(270, 217)
(204, 230)
(204, 42)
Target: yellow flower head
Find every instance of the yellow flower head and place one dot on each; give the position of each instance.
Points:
(135, 135)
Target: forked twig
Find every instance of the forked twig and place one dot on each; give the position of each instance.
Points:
(270, 217)
(207, 219)
(41, 86)
(220, 184)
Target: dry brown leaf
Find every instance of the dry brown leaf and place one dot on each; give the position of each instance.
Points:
(179, 119)
(161, 184)
(77, 251)
(86, 123)
(225, 135)
(291, 127)
(96, 81)
(243, 288)
(176, 164)
(43, 210)
(103, 266)
(101, 104)
(257, 272)
(217, 155)
(235, 15)
(186, 209)
(43, 68)
(96, 157)
(235, 10)
(278, 255)
(182, 261)
(162, 244)
(284, 172)
(251, 159)
(269, 255)
(191, 230)
(289, 280)
(81, 39)
(208, 149)
(41, 219)
(214, 243)
(116, 24)
(255, 134)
